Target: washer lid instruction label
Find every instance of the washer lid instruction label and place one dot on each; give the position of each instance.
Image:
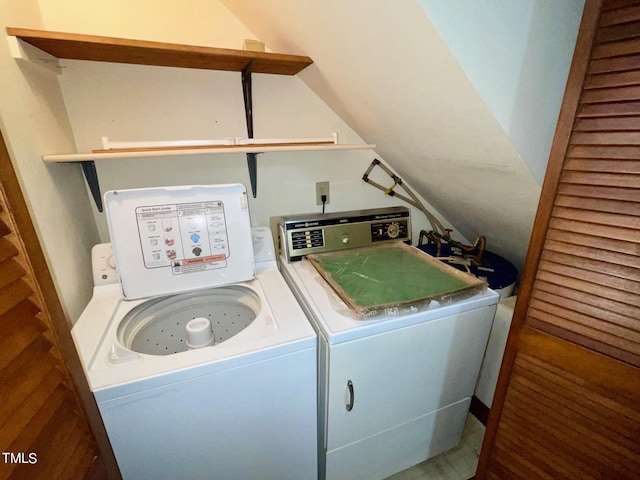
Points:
(187, 237)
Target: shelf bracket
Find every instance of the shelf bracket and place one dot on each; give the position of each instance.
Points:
(252, 158)
(91, 176)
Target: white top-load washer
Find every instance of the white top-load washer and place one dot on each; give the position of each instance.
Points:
(201, 361)
(394, 385)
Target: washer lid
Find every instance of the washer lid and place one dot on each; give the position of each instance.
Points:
(175, 239)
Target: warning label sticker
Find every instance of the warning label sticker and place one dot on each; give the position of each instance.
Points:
(191, 265)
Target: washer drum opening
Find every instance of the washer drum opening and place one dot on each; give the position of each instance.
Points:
(159, 326)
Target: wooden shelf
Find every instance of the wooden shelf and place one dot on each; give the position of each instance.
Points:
(84, 157)
(140, 52)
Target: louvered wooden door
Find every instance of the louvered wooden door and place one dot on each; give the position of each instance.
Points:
(568, 398)
(44, 433)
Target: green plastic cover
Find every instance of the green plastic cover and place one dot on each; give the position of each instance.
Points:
(390, 275)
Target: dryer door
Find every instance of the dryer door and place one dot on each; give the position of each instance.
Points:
(175, 239)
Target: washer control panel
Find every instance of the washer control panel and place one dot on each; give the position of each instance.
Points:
(103, 265)
(300, 235)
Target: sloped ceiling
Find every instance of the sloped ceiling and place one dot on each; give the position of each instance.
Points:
(383, 68)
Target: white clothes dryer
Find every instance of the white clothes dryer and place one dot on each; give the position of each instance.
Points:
(394, 386)
(200, 359)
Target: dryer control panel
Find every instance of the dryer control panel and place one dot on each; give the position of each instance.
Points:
(300, 235)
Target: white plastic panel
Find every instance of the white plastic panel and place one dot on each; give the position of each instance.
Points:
(103, 265)
(214, 426)
(391, 451)
(403, 374)
(263, 248)
(488, 378)
(175, 239)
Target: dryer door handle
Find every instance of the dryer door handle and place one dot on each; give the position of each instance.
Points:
(351, 396)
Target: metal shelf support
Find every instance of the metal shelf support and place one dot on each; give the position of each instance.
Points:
(252, 158)
(91, 176)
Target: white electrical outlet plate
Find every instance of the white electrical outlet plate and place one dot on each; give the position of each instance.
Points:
(322, 188)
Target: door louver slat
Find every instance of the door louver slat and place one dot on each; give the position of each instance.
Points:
(608, 193)
(595, 329)
(589, 282)
(606, 247)
(573, 294)
(592, 165)
(619, 94)
(614, 64)
(614, 275)
(608, 123)
(599, 217)
(613, 79)
(590, 314)
(606, 138)
(618, 329)
(621, 14)
(607, 152)
(594, 254)
(609, 109)
(618, 48)
(594, 229)
(596, 205)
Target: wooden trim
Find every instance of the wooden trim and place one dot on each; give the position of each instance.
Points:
(568, 111)
(39, 270)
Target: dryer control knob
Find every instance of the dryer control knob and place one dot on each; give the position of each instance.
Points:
(393, 230)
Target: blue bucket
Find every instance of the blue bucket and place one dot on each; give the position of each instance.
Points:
(499, 272)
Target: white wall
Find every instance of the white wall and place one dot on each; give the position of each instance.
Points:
(517, 55)
(34, 122)
(456, 155)
(198, 22)
(128, 102)
(150, 103)
(384, 68)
